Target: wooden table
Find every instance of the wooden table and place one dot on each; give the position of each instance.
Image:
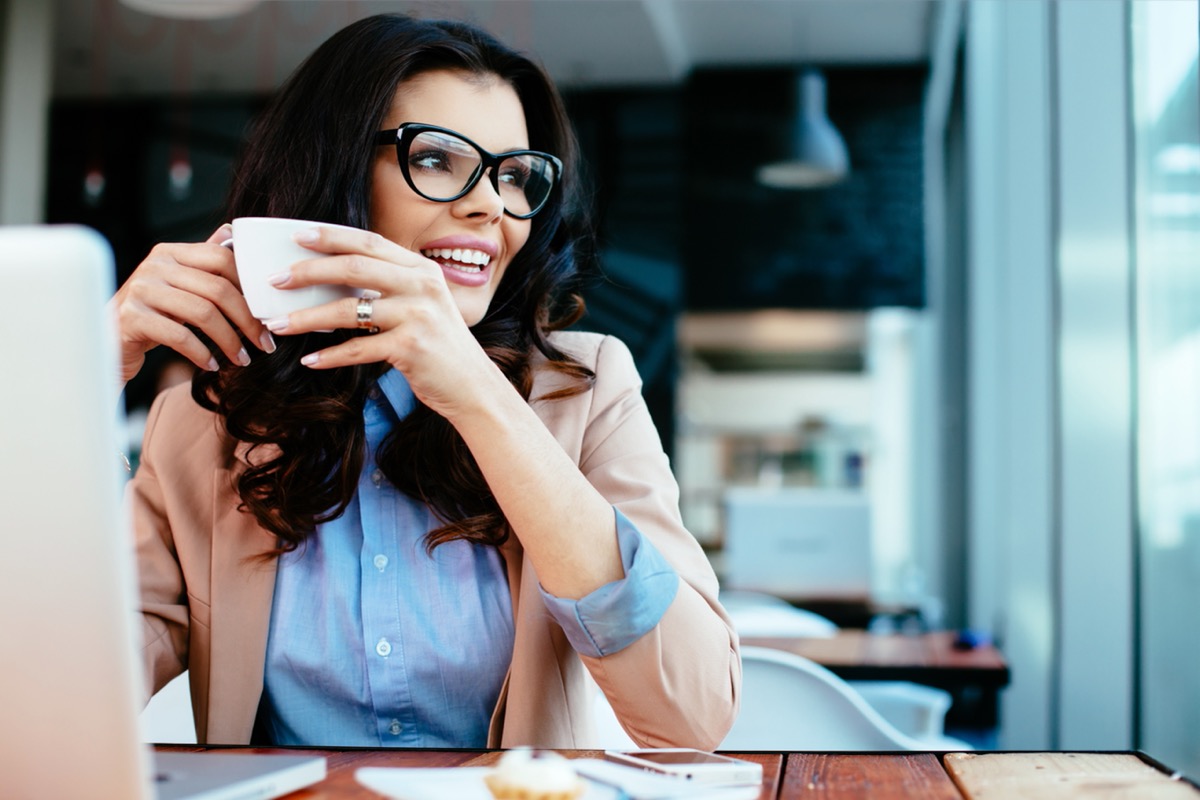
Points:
(860, 655)
(972, 677)
(834, 776)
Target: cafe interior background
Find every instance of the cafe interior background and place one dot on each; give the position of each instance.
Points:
(982, 329)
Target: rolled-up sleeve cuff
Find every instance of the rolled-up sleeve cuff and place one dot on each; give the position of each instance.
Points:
(619, 613)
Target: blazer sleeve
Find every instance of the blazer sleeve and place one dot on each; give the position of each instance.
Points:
(164, 610)
(679, 684)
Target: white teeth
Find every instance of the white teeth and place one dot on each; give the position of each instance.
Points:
(461, 255)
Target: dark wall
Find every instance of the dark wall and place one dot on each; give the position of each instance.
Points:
(132, 144)
(631, 146)
(684, 226)
(856, 245)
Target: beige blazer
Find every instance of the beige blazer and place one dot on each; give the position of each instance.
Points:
(206, 602)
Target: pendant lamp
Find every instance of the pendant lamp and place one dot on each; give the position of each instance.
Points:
(192, 9)
(817, 156)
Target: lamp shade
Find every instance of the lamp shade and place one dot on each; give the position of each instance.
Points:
(192, 9)
(818, 154)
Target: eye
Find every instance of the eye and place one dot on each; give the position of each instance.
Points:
(514, 173)
(430, 160)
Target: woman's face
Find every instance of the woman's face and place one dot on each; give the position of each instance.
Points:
(487, 111)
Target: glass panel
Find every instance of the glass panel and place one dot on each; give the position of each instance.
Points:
(1166, 110)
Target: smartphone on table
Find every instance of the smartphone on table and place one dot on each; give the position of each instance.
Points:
(689, 764)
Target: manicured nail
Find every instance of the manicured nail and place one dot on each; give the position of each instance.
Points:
(267, 342)
(310, 359)
(279, 278)
(243, 357)
(306, 236)
(277, 325)
(212, 365)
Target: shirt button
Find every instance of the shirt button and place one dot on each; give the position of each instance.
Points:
(383, 648)
(381, 562)
(377, 477)
(373, 393)
(394, 728)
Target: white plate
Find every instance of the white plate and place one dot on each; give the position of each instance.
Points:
(460, 783)
(466, 783)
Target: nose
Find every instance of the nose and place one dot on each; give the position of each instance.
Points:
(482, 202)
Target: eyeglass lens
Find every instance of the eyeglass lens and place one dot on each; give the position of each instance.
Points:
(442, 166)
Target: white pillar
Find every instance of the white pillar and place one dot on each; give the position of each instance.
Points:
(26, 44)
(1095, 387)
(1011, 368)
(1051, 543)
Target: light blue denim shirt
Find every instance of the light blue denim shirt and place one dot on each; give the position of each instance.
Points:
(375, 643)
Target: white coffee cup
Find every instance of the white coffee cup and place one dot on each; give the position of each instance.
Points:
(262, 247)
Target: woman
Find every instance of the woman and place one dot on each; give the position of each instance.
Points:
(430, 525)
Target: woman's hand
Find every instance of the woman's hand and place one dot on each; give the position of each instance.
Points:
(421, 329)
(178, 285)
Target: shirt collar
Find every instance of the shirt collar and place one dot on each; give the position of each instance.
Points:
(397, 391)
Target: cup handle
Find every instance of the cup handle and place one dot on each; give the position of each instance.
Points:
(227, 243)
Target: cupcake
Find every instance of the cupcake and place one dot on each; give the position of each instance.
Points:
(523, 774)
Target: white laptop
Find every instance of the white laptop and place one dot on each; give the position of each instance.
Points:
(70, 676)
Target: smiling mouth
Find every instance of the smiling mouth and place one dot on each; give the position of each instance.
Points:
(460, 258)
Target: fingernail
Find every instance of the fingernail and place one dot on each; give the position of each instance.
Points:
(279, 278)
(310, 359)
(277, 325)
(243, 357)
(212, 365)
(306, 236)
(267, 342)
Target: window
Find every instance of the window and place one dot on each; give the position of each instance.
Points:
(1166, 133)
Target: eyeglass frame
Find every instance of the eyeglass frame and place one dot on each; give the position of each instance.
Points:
(402, 137)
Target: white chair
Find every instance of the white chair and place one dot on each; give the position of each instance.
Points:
(762, 614)
(167, 718)
(792, 703)
(916, 710)
(609, 733)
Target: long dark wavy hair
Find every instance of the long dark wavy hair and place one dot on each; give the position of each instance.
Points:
(310, 156)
